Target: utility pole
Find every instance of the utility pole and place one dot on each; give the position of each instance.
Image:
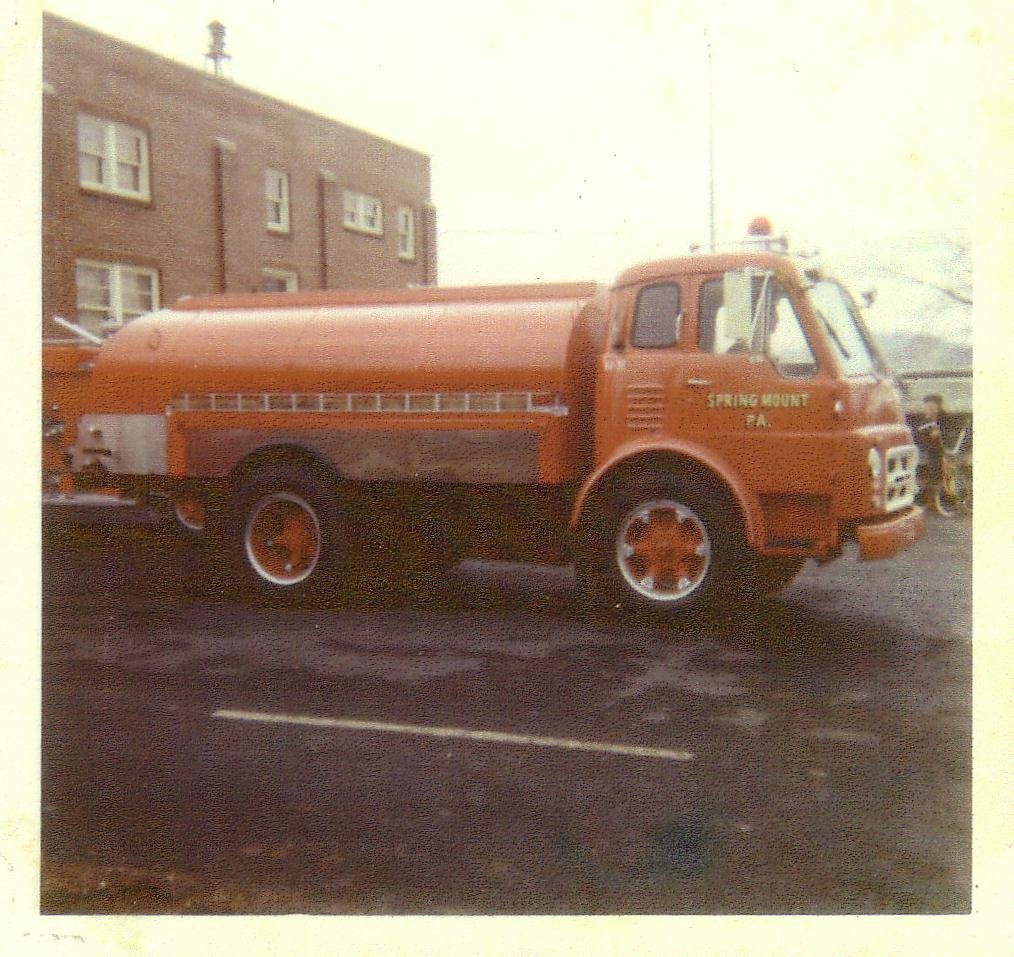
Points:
(711, 141)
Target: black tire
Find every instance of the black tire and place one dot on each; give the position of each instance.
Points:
(185, 518)
(286, 533)
(700, 558)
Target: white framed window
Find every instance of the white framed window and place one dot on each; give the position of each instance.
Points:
(276, 194)
(406, 232)
(363, 214)
(279, 280)
(110, 294)
(112, 157)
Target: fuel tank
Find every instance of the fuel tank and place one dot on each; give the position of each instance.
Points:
(537, 338)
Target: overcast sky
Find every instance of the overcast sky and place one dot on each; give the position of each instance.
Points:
(570, 140)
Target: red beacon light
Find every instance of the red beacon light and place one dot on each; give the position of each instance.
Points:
(758, 236)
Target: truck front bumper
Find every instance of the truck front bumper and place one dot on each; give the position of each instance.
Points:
(887, 537)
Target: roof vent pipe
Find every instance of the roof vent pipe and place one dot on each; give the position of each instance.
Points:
(216, 57)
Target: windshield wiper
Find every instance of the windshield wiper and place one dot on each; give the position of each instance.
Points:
(834, 335)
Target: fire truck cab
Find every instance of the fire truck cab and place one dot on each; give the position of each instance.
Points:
(742, 397)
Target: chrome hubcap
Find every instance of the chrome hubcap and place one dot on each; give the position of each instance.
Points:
(282, 538)
(663, 550)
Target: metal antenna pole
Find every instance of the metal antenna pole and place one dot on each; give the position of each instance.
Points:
(711, 142)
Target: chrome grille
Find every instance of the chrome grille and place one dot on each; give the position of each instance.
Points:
(899, 481)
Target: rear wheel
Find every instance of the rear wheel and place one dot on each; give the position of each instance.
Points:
(189, 514)
(286, 533)
(664, 544)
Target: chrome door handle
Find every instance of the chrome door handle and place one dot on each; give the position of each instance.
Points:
(698, 382)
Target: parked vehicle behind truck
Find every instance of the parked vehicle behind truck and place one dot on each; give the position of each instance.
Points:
(689, 436)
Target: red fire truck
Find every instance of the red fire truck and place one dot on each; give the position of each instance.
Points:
(690, 435)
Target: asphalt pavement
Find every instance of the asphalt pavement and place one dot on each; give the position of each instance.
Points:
(483, 745)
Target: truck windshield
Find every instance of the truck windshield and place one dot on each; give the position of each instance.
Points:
(837, 317)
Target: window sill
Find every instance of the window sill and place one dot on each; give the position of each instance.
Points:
(363, 230)
(138, 199)
(279, 230)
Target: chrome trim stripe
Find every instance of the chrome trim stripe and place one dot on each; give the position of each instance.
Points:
(415, 403)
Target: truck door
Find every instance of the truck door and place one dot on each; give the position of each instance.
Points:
(642, 365)
(754, 391)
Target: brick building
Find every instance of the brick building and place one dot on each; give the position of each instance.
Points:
(160, 180)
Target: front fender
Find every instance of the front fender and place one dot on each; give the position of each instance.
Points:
(625, 454)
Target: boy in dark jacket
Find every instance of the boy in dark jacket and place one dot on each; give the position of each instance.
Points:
(931, 446)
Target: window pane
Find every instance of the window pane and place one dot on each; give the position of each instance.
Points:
(836, 314)
(730, 327)
(406, 232)
(91, 135)
(656, 317)
(137, 293)
(787, 346)
(351, 209)
(707, 317)
(128, 177)
(128, 146)
(93, 285)
(276, 188)
(278, 281)
(89, 168)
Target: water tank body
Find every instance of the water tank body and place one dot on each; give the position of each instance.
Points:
(532, 338)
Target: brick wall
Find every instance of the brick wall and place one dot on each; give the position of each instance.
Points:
(210, 142)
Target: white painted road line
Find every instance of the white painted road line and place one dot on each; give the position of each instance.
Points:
(500, 737)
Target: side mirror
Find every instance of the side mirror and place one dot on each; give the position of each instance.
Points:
(869, 296)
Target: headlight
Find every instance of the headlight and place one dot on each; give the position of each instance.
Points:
(875, 463)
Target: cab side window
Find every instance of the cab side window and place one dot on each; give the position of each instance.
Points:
(656, 317)
(775, 330)
(709, 316)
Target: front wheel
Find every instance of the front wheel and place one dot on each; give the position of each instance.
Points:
(286, 533)
(663, 544)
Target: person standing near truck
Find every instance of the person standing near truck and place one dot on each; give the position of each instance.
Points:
(928, 437)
